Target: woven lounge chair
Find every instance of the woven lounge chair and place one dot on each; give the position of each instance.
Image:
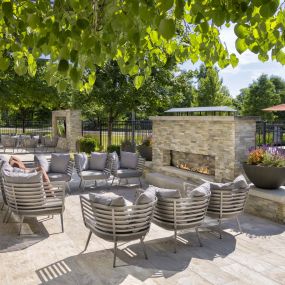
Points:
(33, 198)
(181, 213)
(130, 165)
(125, 223)
(88, 170)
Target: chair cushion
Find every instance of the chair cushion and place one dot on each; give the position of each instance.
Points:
(22, 177)
(58, 177)
(40, 160)
(108, 199)
(237, 184)
(81, 160)
(5, 167)
(93, 174)
(162, 193)
(146, 197)
(127, 173)
(98, 160)
(128, 160)
(200, 191)
(115, 160)
(59, 162)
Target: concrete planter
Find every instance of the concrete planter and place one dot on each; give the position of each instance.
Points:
(266, 177)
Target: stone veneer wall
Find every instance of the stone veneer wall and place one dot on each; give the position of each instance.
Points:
(73, 128)
(227, 138)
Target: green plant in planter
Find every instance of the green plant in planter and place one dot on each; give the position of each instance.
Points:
(127, 145)
(112, 148)
(86, 144)
(145, 149)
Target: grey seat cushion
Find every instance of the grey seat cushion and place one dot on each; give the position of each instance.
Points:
(58, 177)
(128, 160)
(40, 160)
(162, 193)
(108, 199)
(59, 162)
(128, 173)
(93, 174)
(98, 160)
(200, 191)
(81, 161)
(146, 197)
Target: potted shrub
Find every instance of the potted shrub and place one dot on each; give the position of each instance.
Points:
(265, 167)
(145, 149)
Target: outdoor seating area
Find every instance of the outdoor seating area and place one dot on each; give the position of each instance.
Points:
(134, 230)
(17, 143)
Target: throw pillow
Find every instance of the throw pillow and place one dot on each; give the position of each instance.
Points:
(200, 191)
(146, 197)
(22, 177)
(40, 160)
(98, 160)
(108, 199)
(115, 161)
(240, 183)
(4, 157)
(81, 161)
(59, 162)
(128, 160)
(221, 186)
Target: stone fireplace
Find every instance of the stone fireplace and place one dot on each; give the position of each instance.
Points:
(210, 146)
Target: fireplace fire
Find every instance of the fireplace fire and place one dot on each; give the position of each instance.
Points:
(204, 164)
(203, 170)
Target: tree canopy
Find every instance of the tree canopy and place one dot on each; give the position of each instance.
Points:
(77, 35)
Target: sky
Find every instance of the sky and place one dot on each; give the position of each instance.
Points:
(248, 69)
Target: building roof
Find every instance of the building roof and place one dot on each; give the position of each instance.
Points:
(201, 109)
(276, 108)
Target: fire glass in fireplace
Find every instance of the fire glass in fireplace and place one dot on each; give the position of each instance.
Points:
(200, 163)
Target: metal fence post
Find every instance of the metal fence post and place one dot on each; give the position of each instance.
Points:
(264, 132)
(100, 133)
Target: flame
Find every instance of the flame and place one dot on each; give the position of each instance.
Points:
(203, 170)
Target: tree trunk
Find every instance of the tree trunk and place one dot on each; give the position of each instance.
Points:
(110, 129)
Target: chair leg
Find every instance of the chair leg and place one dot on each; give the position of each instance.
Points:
(21, 223)
(220, 228)
(140, 182)
(2, 206)
(127, 180)
(80, 183)
(61, 219)
(239, 226)
(95, 183)
(6, 215)
(83, 184)
(144, 249)
(88, 240)
(175, 241)
(198, 236)
(113, 180)
(115, 253)
(68, 187)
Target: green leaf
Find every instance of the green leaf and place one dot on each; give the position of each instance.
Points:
(4, 63)
(20, 66)
(241, 45)
(92, 78)
(179, 9)
(74, 75)
(280, 56)
(219, 17)
(268, 10)
(138, 81)
(82, 23)
(32, 65)
(234, 60)
(63, 66)
(241, 30)
(204, 27)
(7, 8)
(167, 28)
(165, 5)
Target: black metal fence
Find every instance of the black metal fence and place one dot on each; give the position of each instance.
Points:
(133, 131)
(27, 127)
(270, 133)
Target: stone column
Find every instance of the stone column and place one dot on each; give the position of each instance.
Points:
(73, 128)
